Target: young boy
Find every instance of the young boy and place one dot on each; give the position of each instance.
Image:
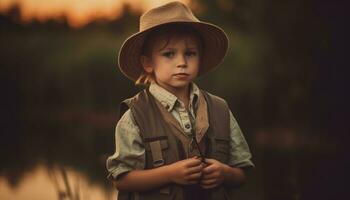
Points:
(175, 141)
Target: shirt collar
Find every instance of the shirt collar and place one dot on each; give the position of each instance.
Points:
(168, 100)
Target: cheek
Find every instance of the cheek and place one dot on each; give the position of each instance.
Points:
(161, 71)
(195, 63)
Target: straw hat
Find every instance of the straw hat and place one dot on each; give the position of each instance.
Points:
(214, 38)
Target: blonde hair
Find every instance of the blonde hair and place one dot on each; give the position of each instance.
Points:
(166, 33)
(145, 78)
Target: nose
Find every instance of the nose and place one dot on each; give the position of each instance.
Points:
(182, 62)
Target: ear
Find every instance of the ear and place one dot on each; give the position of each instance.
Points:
(146, 64)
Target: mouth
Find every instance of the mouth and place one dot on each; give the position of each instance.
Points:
(181, 74)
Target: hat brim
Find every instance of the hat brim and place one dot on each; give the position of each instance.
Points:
(215, 48)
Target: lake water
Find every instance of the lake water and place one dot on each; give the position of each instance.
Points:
(43, 183)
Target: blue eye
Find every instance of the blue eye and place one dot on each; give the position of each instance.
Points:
(168, 54)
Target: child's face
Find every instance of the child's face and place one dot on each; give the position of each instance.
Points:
(175, 64)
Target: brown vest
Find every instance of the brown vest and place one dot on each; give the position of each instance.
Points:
(165, 143)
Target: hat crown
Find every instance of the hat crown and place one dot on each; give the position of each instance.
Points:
(171, 12)
(213, 37)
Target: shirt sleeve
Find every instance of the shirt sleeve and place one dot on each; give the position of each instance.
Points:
(129, 149)
(240, 155)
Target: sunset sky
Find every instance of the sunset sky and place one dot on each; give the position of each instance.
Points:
(78, 12)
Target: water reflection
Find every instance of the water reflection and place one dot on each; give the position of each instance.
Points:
(42, 183)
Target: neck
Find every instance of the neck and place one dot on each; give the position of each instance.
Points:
(182, 93)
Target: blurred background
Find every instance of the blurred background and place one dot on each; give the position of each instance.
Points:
(285, 79)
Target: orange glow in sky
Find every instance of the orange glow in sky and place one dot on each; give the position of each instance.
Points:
(78, 12)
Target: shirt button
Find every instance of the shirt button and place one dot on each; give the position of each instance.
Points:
(167, 107)
(187, 126)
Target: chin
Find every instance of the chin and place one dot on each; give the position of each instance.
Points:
(180, 85)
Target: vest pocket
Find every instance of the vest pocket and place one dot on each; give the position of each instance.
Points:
(155, 156)
(221, 149)
(163, 143)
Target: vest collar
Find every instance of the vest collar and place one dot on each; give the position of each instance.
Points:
(202, 119)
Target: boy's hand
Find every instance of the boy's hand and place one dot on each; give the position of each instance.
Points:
(213, 174)
(186, 172)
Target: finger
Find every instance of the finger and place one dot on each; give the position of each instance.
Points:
(209, 169)
(191, 182)
(195, 176)
(195, 157)
(209, 161)
(208, 182)
(195, 169)
(209, 176)
(193, 162)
